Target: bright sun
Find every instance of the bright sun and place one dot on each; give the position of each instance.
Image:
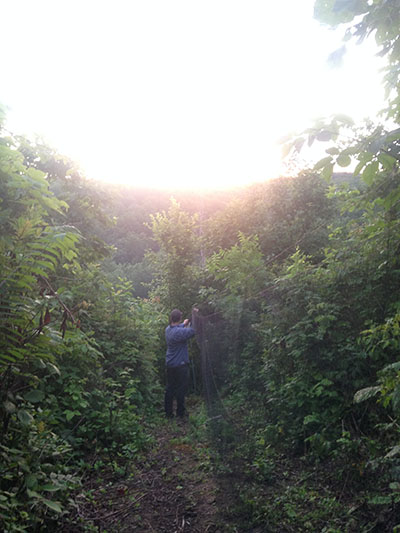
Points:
(182, 94)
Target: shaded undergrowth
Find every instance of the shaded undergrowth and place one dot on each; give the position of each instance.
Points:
(169, 488)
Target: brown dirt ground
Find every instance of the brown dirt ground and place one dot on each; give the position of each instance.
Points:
(171, 491)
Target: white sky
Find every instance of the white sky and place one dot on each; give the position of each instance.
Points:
(176, 92)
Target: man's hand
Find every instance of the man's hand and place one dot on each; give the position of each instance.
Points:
(186, 322)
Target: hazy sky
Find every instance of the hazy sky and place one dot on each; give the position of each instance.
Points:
(176, 92)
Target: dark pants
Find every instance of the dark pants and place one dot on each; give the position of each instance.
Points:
(177, 384)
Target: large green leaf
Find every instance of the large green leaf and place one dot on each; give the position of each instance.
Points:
(55, 506)
(343, 160)
(323, 162)
(25, 417)
(50, 488)
(34, 396)
(369, 172)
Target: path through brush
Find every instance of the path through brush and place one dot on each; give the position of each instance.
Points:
(172, 490)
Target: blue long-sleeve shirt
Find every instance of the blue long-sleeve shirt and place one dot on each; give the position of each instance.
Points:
(177, 337)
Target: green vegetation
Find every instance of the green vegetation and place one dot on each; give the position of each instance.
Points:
(77, 352)
(303, 274)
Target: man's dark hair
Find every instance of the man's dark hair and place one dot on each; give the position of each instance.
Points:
(175, 316)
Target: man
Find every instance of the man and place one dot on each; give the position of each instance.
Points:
(177, 362)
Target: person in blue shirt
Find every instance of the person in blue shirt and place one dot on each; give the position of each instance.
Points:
(177, 335)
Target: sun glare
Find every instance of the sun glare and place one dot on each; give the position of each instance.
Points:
(182, 94)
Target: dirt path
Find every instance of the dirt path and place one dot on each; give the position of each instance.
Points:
(176, 488)
(172, 491)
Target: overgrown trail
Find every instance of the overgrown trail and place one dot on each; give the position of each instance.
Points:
(171, 490)
(178, 492)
